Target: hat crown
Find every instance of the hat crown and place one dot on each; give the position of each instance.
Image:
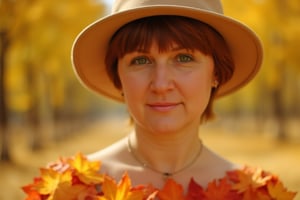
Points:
(209, 5)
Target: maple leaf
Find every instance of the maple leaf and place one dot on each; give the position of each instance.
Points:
(220, 190)
(279, 192)
(89, 193)
(259, 194)
(61, 165)
(79, 191)
(121, 191)
(32, 186)
(51, 180)
(195, 191)
(171, 191)
(248, 178)
(87, 171)
(150, 193)
(32, 194)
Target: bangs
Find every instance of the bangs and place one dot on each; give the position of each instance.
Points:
(165, 31)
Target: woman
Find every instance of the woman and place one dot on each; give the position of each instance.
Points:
(167, 77)
(167, 61)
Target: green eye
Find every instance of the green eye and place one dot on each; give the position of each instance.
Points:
(140, 61)
(184, 58)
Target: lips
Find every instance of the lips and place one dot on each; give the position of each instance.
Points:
(163, 106)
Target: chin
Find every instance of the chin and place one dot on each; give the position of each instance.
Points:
(165, 129)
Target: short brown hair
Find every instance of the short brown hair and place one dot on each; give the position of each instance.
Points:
(165, 30)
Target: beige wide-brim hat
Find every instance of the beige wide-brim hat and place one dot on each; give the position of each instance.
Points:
(89, 49)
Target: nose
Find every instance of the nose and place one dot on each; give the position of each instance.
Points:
(162, 79)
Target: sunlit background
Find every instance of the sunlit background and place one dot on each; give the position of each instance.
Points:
(45, 112)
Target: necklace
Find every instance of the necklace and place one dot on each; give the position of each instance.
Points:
(165, 175)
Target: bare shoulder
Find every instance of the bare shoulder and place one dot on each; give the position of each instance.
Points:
(212, 166)
(111, 152)
(114, 159)
(218, 161)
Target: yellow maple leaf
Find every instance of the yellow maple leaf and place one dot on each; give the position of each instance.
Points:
(279, 192)
(121, 191)
(87, 171)
(51, 180)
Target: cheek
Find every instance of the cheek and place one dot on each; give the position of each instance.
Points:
(198, 83)
(134, 97)
(201, 95)
(133, 87)
(198, 90)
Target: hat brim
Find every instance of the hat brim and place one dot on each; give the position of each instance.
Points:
(89, 49)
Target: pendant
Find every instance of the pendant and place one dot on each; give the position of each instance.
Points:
(167, 175)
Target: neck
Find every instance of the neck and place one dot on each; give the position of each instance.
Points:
(166, 153)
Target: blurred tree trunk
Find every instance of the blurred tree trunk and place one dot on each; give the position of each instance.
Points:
(279, 115)
(40, 113)
(277, 92)
(279, 110)
(5, 154)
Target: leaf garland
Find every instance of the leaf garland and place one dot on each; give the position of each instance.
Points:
(78, 178)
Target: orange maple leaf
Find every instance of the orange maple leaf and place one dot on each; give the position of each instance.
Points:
(220, 190)
(150, 192)
(78, 191)
(279, 192)
(171, 191)
(32, 186)
(195, 191)
(121, 191)
(87, 171)
(31, 192)
(259, 194)
(248, 178)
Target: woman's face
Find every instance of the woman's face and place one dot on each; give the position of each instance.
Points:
(166, 91)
